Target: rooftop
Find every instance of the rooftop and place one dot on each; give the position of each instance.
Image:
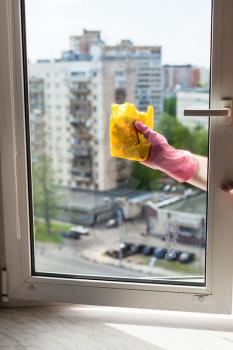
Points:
(85, 200)
(195, 204)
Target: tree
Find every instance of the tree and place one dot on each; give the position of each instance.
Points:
(45, 198)
(200, 141)
(148, 178)
(180, 136)
(169, 106)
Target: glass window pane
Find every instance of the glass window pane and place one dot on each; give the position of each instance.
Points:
(95, 215)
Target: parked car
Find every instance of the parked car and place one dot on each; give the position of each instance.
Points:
(125, 251)
(172, 255)
(111, 223)
(71, 235)
(160, 252)
(148, 250)
(127, 246)
(81, 230)
(137, 248)
(186, 257)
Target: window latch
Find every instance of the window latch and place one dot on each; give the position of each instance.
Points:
(225, 111)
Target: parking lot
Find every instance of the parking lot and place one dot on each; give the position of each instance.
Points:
(86, 255)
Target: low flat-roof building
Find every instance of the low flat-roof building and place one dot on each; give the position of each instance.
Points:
(187, 212)
(87, 207)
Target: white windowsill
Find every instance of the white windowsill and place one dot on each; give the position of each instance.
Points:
(71, 327)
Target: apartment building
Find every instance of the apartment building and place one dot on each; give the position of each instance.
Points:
(148, 71)
(180, 76)
(61, 99)
(77, 92)
(38, 127)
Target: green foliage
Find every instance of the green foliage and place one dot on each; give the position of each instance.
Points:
(148, 178)
(61, 226)
(45, 197)
(42, 236)
(200, 141)
(169, 106)
(179, 136)
(176, 134)
(192, 269)
(56, 229)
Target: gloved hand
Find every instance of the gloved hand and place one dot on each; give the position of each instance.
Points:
(179, 164)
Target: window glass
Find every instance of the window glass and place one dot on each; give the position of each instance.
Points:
(99, 216)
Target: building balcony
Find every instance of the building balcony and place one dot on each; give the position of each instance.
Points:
(79, 150)
(81, 174)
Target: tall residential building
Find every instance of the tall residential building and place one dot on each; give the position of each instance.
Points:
(130, 73)
(148, 71)
(88, 45)
(38, 128)
(78, 90)
(180, 76)
(65, 89)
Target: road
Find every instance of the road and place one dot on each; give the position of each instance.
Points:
(68, 258)
(49, 258)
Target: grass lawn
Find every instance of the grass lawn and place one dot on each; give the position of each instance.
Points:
(55, 237)
(191, 269)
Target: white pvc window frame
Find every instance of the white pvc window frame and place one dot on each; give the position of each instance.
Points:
(216, 296)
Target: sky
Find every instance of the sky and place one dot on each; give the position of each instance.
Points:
(181, 27)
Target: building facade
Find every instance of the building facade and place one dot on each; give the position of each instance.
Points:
(76, 93)
(180, 77)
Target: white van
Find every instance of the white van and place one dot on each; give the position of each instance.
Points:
(81, 230)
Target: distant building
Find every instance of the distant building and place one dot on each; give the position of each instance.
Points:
(204, 77)
(130, 73)
(87, 45)
(198, 98)
(89, 207)
(59, 112)
(180, 77)
(38, 122)
(187, 212)
(147, 69)
(76, 93)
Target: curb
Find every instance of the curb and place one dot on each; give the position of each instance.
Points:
(98, 258)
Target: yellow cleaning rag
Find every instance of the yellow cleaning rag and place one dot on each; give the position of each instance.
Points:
(125, 140)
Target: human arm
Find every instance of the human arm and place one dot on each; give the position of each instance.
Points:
(182, 165)
(200, 177)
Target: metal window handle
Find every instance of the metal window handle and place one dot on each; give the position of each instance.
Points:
(222, 112)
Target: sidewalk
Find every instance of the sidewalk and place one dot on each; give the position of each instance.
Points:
(97, 255)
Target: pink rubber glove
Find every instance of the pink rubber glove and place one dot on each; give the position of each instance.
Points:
(179, 164)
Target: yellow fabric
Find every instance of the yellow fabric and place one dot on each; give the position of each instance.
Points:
(125, 140)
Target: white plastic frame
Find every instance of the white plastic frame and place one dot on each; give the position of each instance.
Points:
(216, 296)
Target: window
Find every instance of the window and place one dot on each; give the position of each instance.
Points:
(77, 74)
(161, 254)
(119, 74)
